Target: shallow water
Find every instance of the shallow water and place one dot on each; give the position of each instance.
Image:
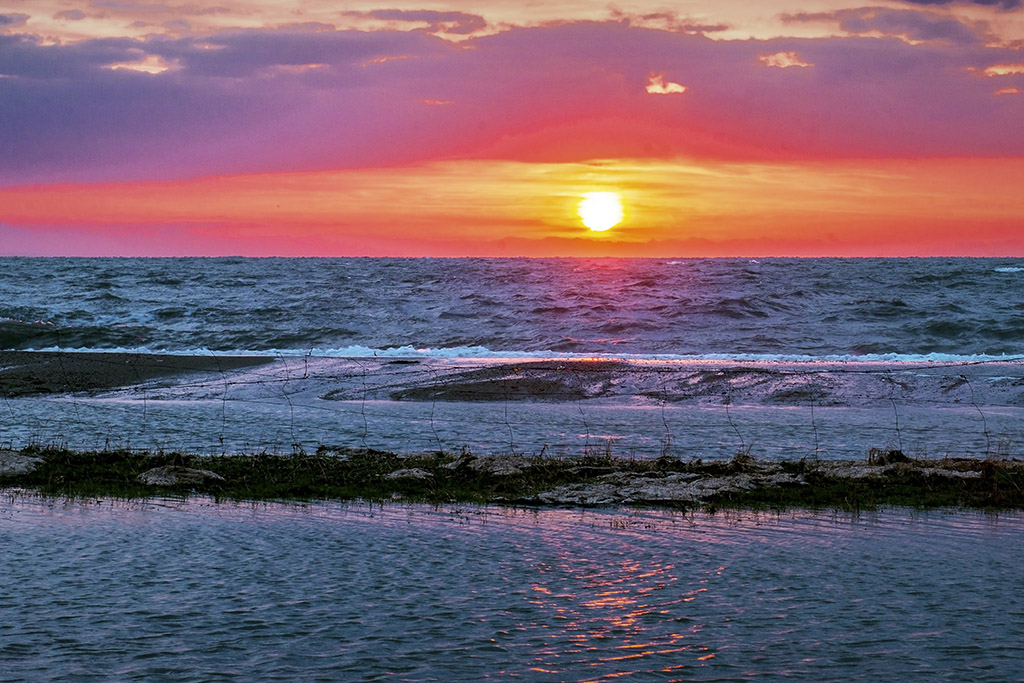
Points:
(555, 430)
(197, 591)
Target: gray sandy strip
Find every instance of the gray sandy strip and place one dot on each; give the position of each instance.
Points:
(33, 373)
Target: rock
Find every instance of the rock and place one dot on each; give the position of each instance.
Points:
(175, 476)
(13, 462)
(882, 456)
(498, 465)
(848, 470)
(783, 479)
(678, 487)
(463, 461)
(409, 474)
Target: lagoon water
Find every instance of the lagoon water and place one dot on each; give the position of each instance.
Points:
(168, 590)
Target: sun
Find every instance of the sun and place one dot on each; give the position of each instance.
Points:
(600, 211)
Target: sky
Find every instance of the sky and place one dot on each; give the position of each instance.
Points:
(446, 128)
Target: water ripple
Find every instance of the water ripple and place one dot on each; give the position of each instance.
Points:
(172, 590)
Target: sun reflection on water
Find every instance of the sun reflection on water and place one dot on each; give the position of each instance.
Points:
(363, 591)
(611, 617)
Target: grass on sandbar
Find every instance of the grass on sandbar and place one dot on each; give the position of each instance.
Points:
(349, 474)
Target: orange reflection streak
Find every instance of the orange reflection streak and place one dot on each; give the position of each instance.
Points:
(621, 611)
(612, 603)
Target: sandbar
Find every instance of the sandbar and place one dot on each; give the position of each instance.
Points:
(36, 373)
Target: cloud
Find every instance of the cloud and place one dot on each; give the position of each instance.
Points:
(266, 100)
(150, 64)
(911, 25)
(159, 8)
(656, 85)
(783, 60)
(666, 20)
(12, 20)
(70, 15)
(455, 23)
(1004, 70)
(1006, 5)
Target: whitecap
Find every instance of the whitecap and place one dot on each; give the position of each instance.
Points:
(482, 352)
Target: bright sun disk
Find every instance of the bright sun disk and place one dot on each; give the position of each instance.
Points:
(600, 211)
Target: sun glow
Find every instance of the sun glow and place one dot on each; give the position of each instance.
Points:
(600, 211)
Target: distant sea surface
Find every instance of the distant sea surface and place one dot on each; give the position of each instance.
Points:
(795, 309)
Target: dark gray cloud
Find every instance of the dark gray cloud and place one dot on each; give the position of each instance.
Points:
(913, 24)
(11, 20)
(1007, 5)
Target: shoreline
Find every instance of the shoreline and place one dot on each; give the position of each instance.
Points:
(25, 373)
(210, 404)
(887, 478)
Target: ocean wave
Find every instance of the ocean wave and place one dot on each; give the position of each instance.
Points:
(488, 308)
(484, 353)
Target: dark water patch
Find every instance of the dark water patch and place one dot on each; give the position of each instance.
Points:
(500, 389)
(170, 313)
(16, 335)
(42, 373)
(948, 329)
(457, 315)
(1008, 329)
(736, 308)
(883, 309)
(104, 297)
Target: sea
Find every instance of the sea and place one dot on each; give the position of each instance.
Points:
(690, 358)
(956, 309)
(697, 358)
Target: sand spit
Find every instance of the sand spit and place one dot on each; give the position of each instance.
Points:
(35, 373)
(888, 478)
(431, 380)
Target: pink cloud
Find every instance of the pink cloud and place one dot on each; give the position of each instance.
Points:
(287, 99)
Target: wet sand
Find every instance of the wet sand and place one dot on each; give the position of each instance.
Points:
(36, 373)
(560, 407)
